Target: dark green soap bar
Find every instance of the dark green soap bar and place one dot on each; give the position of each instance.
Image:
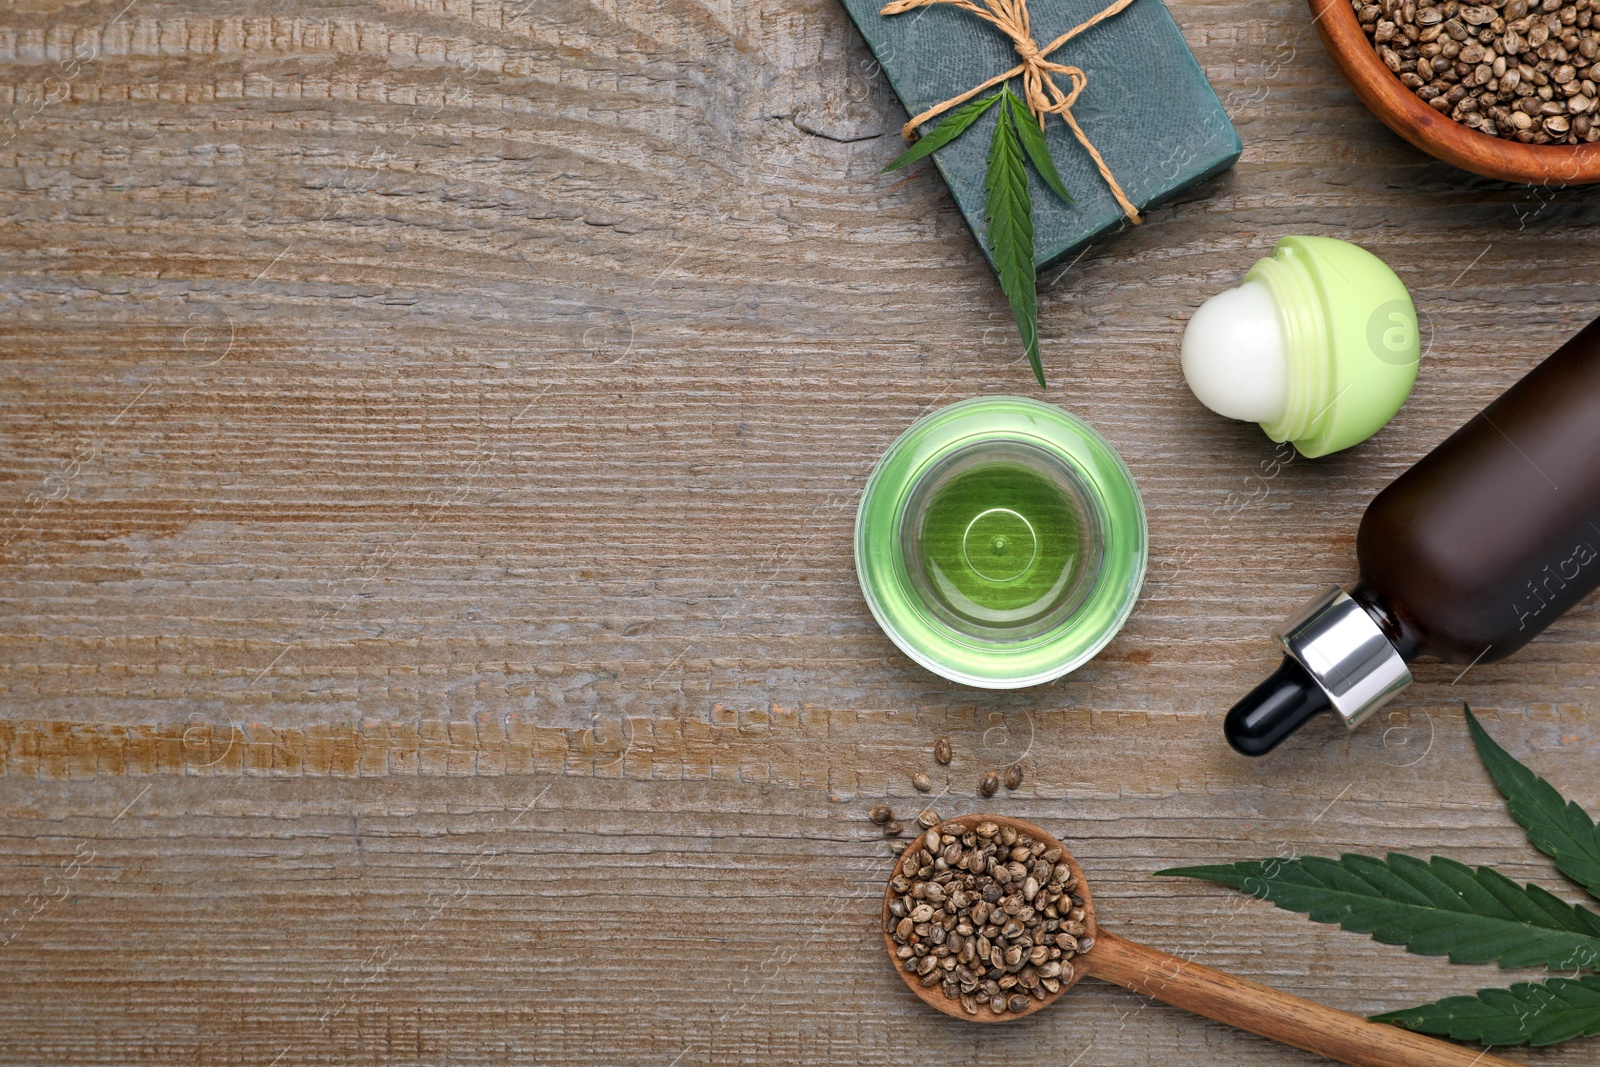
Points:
(1147, 107)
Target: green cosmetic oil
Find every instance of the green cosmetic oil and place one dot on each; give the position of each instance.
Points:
(1000, 542)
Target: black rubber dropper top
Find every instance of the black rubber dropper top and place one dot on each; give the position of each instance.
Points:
(1274, 709)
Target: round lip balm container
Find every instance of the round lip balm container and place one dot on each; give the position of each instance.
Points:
(1000, 542)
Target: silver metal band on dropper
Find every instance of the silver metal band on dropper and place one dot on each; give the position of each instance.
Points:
(1345, 652)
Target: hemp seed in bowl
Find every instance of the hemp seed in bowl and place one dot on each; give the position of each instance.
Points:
(1523, 70)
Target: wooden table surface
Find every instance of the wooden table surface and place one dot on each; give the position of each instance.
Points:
(431, 439)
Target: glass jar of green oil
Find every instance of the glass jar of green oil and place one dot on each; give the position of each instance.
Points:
(1000, 542)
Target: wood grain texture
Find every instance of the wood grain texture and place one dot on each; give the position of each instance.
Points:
(429, 441)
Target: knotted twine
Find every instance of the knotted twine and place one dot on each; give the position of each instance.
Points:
(1039, 90)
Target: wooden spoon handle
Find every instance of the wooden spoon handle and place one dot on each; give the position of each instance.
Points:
(1292, 1020)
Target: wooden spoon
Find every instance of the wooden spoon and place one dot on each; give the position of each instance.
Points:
(1185, 984)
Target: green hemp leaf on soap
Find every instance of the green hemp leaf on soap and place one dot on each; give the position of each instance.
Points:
(1438, 907)
(1017, 133)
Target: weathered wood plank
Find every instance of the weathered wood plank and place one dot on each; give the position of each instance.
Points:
(413, 412)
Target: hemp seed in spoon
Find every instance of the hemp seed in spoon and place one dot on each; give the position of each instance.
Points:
(988, 915)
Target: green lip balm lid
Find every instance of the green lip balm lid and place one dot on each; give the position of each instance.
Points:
(1109, 554)
(1369, 342)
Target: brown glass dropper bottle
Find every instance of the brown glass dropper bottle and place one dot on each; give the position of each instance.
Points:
(1464, 558)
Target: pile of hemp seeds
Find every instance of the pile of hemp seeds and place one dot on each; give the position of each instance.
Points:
(988, 914)
(1522, 70)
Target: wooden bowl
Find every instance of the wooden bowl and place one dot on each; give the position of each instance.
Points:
(1439, 135)
(934, 996)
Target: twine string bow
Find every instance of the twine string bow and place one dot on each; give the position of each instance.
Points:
(1039, 89)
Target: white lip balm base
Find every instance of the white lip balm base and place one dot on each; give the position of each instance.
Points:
(1234, 355)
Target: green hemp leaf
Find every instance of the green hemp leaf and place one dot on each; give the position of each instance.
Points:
(1556, 826)
(953, 126)
(1528, 1013)
(1440, 907)
(1433, 908)
(1010, 212)
(1009, 208)
(1033, 141)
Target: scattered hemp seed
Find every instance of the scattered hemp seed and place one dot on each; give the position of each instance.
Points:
(928, 819)
(880, 813)
(1014, 776)
(923, 783)
(892, 829)
(941, 750)
(988, 784)
(987, 915)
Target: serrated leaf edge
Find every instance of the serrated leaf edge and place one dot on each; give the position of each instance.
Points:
(1010, 215)
(952, 126)
(1320, 889)
(1556, 826)
(1038, 150)
(1466, 1018)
